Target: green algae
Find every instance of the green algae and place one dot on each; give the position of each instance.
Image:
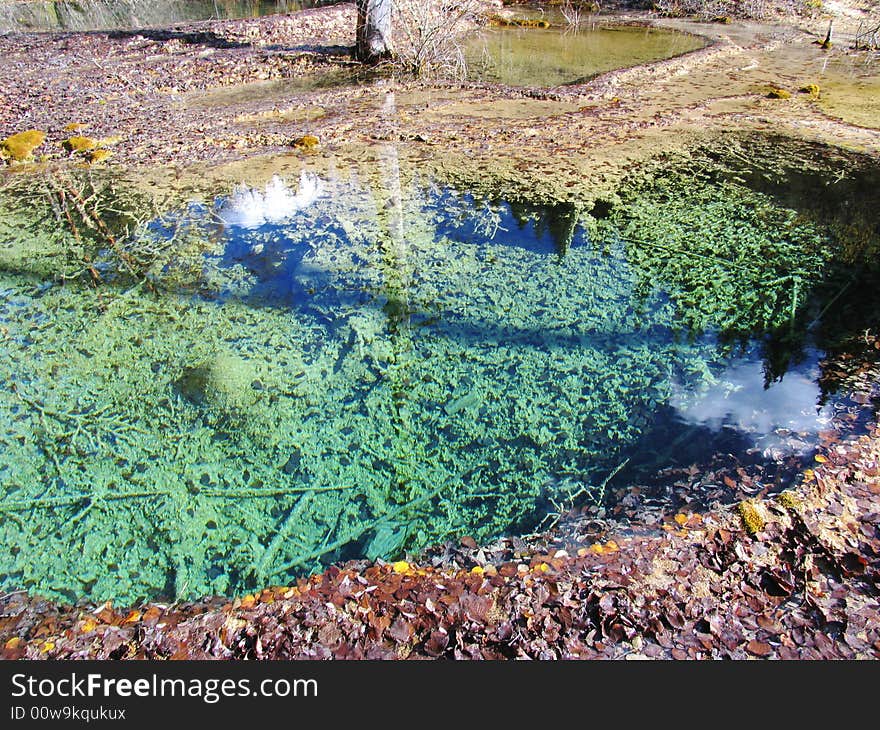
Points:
(173, 430)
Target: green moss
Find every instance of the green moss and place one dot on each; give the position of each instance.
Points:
(19, 147)
(307, 142)
(752, 517)
(79, 144)
(811, 89)
(100, 155)
(789, 500)
(776, 92)
(518, 22)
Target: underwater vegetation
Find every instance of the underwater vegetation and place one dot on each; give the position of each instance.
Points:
(230, 392)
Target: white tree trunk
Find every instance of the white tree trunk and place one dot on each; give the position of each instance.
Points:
(374, 30)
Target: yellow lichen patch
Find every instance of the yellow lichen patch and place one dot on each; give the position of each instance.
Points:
(14, 642)
(306, 142)
(681, 518)
(811, 89)
(109, 141)
(821, 459)
(776, 92)
(477, 570)
(20, 146)
(789, 500)
(74, 127)
(752, 517)
(79, 144)
(97, 156)
(401, 566)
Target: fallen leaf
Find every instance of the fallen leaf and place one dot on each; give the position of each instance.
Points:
(759, 648)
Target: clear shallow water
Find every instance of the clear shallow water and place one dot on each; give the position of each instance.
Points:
(550, 57)
(86, 15)
(319, 373)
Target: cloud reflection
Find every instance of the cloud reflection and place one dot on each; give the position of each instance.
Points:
(739, 400)
(251, 208)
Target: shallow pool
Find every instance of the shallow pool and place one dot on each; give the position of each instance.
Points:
(356, 363)
(555, 57)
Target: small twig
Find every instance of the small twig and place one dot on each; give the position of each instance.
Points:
(281, 535)
(50, 503)
(355, 534)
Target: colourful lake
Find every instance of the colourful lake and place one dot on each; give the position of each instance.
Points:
(352, 363)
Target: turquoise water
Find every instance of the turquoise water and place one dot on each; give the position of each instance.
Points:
(355, 364)
(86, 15)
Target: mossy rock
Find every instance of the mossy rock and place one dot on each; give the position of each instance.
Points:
(788, 500)
(811, 89)
(752, 517)
(306, 142)
(778, 93)
(97, 156)
(19, 147)
(225, 381)
(79, 144)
